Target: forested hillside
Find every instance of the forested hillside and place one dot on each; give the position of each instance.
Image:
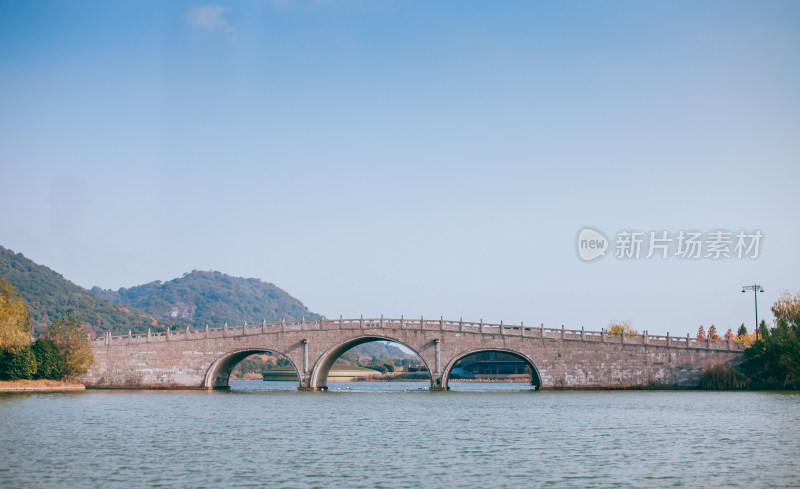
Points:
(49, 296)
(210, 298)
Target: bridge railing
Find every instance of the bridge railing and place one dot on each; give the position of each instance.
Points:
(423, 324)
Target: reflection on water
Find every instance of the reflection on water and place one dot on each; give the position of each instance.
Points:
(386, 434)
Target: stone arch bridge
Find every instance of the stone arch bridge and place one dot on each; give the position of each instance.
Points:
(559, 358)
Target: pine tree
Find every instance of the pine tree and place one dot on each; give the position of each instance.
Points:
(712, 333)
(742, 331)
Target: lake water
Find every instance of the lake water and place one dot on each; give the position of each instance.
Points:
(387, 435)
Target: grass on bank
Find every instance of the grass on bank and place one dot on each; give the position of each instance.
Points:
(47, 382)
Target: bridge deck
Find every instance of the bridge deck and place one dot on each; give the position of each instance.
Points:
(441, 324)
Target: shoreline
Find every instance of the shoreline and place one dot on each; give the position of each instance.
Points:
(39, 386)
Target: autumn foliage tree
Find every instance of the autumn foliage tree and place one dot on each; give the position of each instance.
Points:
(619, 327)
(712, 333)
(701, 333)
(15, 319)
(72, 341)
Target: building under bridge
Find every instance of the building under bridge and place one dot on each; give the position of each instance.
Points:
(490, 365)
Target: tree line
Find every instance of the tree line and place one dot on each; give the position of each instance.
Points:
(772, 354)
(772, 358)
(61, 352)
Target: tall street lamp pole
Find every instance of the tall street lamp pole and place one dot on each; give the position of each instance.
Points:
(755, 288)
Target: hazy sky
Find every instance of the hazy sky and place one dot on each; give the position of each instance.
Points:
(408, 157)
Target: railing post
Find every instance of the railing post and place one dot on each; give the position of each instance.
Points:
(148, 335)
(708, 342)
(622, 337)
(187, 332)
(264, 327)
(582, 333)
(667, 339)
(501, 327)
(644, 337)
(481, 327)
(167, 333)
(541, 330)
(361, 322)
(421, 322)
(206, 331)
(688, 343)
(441, 323)
(381, 321)
(562, 332)
(402, 320)
(302, 321)
(341, 322)
(225, 330)
(521, 328)
(729, 343)
(130, 337)
(461, 324)
(603, 335)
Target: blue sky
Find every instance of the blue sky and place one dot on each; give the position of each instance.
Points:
(417, 158)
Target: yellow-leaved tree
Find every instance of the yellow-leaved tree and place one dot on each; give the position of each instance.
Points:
(787, 310)
(619, 327)
(15, 319)
(72, 341)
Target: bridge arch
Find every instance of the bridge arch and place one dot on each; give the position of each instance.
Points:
(536, 378)
(219, 373)
(320, 370)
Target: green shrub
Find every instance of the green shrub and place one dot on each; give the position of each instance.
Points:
(19, 364)
(49, 359)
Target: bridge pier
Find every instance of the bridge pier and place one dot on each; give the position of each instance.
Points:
(437, 385)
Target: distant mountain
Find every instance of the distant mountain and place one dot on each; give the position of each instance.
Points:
(211, 298)
(380, 350)
(376, 353)
(49, 295)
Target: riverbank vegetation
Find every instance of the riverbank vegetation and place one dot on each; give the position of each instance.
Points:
(772, 361)
(62, 352)
(723, 377)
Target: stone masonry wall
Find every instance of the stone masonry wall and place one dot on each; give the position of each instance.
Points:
(563, 359)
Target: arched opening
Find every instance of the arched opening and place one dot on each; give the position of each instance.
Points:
(242, 368)
(491, 369)
(394, 365)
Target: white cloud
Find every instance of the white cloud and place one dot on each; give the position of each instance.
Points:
(208, 17)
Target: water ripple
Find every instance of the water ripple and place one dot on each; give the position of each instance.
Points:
(362, 439)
